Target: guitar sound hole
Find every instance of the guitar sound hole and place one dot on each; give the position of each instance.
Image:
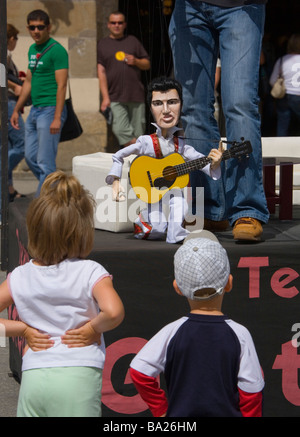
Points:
(169, 173)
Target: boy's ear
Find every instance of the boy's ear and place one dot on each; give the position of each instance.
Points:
(228, 286)
(176, 288)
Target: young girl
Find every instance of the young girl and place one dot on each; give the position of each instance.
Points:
(69, 300)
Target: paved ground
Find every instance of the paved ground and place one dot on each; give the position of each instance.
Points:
(9, 387)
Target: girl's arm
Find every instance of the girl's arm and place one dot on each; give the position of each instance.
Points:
(110, 316)
(16, 328)
(11, 328)
(111, 307)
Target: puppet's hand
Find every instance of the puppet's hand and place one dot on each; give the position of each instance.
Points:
(118, 192)
(216, 156)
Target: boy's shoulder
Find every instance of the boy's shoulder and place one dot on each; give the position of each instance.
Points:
(168, 331)
(240, 330)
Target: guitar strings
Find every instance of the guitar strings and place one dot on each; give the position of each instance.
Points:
(186, 167)
(189, 165)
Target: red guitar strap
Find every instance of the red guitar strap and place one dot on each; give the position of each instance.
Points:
(175, 140)
(157, 148)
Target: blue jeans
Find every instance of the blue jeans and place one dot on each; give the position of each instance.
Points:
(40, 145)
(16, 141)
(16, 144)
(199, 33)
(287, 108)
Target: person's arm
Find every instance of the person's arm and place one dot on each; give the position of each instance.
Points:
(111, 307)
(275, 73)
(149, 363)
(17, 89)
(141, 63)
(250, 403)
(103, 85)
(61, 77)
(24, 96)
(110, 316)
(12, 328)
(150, 391)
(250, 377)
(36, 340)
(16, 328)
(217, 76)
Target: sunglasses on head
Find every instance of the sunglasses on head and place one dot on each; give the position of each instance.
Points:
(39, 27)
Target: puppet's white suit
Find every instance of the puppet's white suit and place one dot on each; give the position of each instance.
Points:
(152, 222)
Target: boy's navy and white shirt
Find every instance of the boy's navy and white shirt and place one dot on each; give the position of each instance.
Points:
(207, 362)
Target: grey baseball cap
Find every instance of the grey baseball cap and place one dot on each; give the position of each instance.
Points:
(201, 263)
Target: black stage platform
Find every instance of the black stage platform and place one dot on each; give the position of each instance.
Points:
(265, 298)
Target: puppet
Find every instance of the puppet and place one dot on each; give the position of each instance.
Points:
(160, 187)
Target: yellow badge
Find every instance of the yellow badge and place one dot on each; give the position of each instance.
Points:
(120, 56)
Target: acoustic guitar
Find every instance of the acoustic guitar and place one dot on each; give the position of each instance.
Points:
(152, 178)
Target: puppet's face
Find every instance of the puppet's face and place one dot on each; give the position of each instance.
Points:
(165, 107)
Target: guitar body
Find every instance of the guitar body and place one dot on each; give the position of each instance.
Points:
(152, 178)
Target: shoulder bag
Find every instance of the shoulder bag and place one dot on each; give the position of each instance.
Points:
(278, 89)
(72, 128)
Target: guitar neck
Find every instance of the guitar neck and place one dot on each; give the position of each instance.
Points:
(197, 164)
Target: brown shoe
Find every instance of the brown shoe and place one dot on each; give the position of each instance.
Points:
(247, 229)
(215, 226)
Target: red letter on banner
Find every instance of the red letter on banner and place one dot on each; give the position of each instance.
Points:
(289, 362)
(115, 401)
(278, 286)
(254, 264)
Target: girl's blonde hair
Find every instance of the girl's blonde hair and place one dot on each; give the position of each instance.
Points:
(60, 222)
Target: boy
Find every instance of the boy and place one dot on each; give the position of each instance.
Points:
(209, 361)
(165, 100)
